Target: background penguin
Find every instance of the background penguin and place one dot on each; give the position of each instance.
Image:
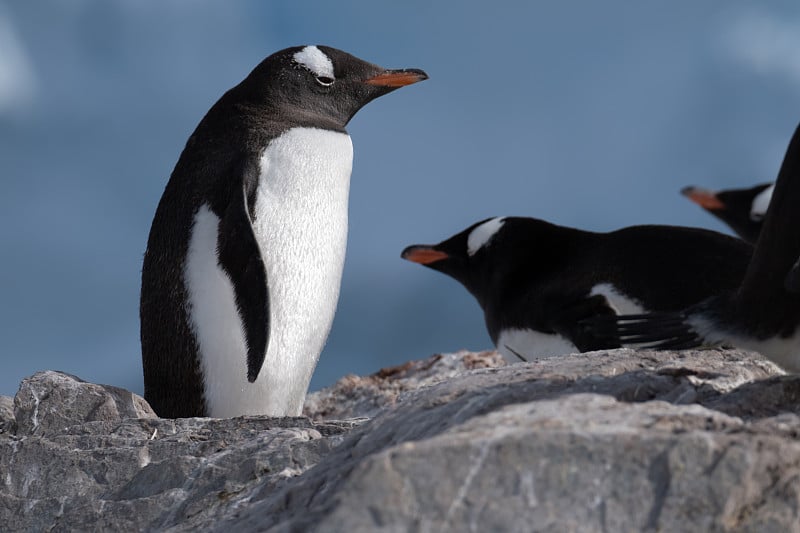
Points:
(741, 209)
(536, 281)
(244, 260)
(761, 314)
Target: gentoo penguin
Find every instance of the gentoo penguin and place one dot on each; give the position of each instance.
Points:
(244, 260)
(535, 281)
(741, 209)
(762, 313)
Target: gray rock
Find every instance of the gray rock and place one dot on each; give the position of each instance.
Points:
(359, 397)
(6, 414)
(606, 441)
(587, 462)
(50, 402)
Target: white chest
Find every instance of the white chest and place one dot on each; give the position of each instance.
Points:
(301, 227)
(300, 223)
(518, 345)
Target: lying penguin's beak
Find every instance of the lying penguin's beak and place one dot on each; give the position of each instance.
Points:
(702, 197)
(423, 254)
(397, 78)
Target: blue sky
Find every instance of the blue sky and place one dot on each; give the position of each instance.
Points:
(589, 114)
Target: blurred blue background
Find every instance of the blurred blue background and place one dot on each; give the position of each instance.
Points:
(589, 114)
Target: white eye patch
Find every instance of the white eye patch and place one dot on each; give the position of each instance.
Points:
(316, 61)
(761, 203)
(481, 235)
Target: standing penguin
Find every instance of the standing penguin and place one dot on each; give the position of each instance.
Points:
(741, 209)
(537, 281)
(244, 260)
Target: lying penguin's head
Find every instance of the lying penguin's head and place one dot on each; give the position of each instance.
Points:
(464, 256)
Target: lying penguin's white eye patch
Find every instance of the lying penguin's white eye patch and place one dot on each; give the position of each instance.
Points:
(761, 203)
(480, 236)
(316, 61)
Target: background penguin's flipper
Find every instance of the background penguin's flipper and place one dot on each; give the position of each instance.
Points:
(569, 324)
(240, 257)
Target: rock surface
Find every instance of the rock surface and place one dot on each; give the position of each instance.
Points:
(605, 441)
(6, 414)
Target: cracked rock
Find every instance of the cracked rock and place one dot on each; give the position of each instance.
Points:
(50, 402)
(615, 440)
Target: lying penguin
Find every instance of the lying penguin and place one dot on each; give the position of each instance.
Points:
(537, 281)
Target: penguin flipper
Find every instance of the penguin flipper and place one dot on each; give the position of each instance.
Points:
(569, 324)
(240, 257)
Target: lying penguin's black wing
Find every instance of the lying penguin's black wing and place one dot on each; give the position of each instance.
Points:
(240, 257)
(658, 331)
(569, 324)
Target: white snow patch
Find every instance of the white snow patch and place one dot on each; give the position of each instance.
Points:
(144, 457)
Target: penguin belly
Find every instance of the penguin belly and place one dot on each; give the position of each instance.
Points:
(300, 223)
(526, 344)
(783, 351)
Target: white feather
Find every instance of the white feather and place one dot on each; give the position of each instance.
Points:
(213, 314)
(315, 60)
(301, 227)
(531, 345)
(621, 304)
(481, 235)
(783, 351)
(761, 203)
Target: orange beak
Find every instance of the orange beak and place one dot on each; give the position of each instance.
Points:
(397, 78)
(702, 197)
(424, 255)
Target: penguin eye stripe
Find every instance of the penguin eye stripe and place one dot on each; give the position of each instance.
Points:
(325, 81)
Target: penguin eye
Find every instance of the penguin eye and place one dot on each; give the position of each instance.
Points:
(325, 81)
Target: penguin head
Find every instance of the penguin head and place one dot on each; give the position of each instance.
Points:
(320, 85)
(741, 209)
(466, 256)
